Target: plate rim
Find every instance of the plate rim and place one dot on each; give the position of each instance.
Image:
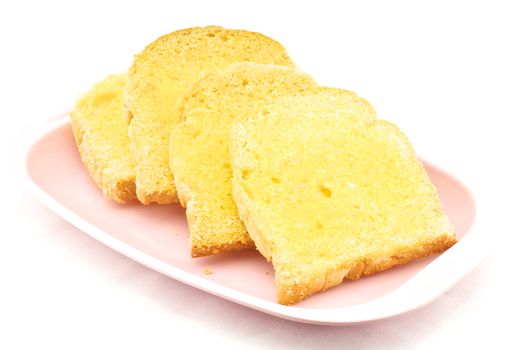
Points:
(422, 288)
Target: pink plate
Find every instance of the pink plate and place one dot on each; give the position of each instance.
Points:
(156, 236)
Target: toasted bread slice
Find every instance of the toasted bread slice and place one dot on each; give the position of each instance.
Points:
(101, 133)
(158, 78)
(200, 153)
(327, 194)
(200, 146)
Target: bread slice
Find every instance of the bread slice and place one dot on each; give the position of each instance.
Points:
(327, 195)
(200, 146)
(158, 78)
(101, 133)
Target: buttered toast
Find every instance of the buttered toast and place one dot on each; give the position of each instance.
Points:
(161, 74)
(101, 133)
(327, 195)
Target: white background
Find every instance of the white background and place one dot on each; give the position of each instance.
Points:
(451, 75)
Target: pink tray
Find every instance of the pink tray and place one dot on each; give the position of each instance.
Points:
(156, 236)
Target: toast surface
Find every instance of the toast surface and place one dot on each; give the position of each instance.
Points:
(161, 74)
(200, 153)
(101, 133)
(329, 195)
(200, 146)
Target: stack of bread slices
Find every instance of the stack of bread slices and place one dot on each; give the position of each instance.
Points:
(261, 157)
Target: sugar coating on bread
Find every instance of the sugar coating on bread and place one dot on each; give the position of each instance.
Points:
(326, 195)
(200, 153)
(200, 147)
(101, 133)
(160, 75)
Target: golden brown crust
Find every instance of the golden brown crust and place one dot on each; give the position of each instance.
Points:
(292, 293)
(201, 247)
(198, 251)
